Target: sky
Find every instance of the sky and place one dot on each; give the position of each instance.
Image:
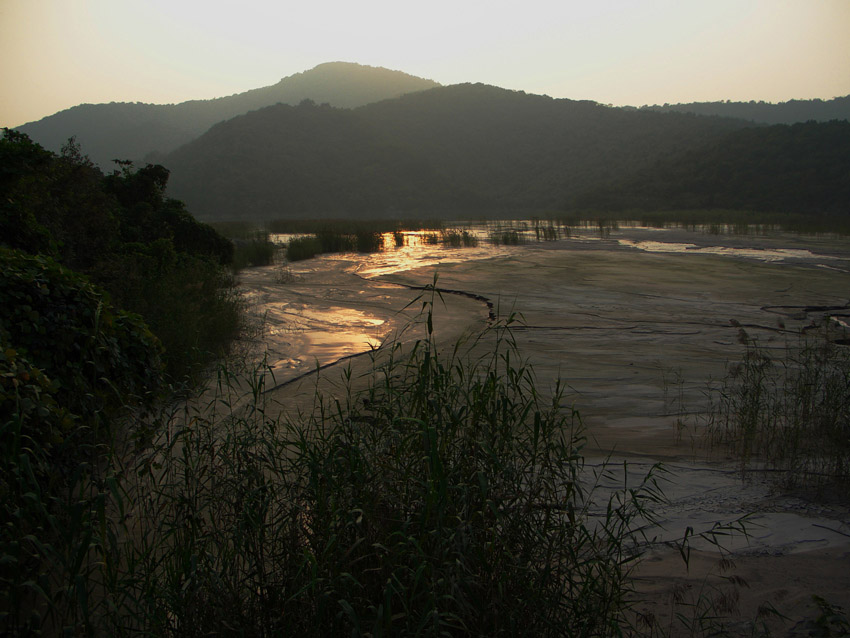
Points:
(55, 54)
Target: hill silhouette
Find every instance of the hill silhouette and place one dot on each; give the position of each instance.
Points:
(799, 168)
(766, 113)
(456, 149)
(138, 131)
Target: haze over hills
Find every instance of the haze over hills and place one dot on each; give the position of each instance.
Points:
(456, 149)
(135, 131)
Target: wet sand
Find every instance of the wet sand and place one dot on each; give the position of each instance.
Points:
(635, 336)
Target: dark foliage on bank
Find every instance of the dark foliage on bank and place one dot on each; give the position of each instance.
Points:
(125, 236)
(109, 293)
(803, 168)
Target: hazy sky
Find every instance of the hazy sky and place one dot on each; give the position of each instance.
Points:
(55, 54)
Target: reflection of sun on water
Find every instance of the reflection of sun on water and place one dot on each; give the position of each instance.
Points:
(407, 250)
(320, 335)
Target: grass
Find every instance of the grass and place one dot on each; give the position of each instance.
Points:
(788, 411)
(366, 240)
(725, 221)
(508, 234)
(447, 499)
(455, 238)
(301, 248)
(254, 250)
(350, 226)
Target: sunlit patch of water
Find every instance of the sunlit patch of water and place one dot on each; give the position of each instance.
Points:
(761, 254)
(420, 255)
(319, 335)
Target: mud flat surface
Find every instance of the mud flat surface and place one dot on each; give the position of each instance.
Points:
(636, 324)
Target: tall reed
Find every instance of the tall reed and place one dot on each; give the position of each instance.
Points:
(789, 411)
(447, 498)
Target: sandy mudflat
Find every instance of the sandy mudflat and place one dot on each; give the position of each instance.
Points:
(636, 336)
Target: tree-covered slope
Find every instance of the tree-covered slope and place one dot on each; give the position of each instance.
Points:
(455, 149)
(135, 130)
(802, 168)
(789, 112)
(143, 251)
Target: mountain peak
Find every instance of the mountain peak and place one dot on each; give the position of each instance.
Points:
(133, 131)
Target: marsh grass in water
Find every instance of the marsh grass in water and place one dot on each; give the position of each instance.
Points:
(332, 240)
(788, 409)
(506, 237)
(351, 226)
(456, 238)
(255, 250)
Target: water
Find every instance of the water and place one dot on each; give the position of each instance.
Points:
(423, 248)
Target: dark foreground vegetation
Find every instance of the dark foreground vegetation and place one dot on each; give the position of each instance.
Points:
(445, 500)
(449, 498)
(109, 294)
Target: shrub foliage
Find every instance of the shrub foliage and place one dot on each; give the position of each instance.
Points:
(120, 230)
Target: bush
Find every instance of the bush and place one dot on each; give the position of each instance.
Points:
(302, 248)
(70, 365)
(99, 358)
(253, 251)
(190, 303)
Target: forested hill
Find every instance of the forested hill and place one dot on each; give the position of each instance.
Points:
(138, 131)
(455, 149)
(802, 168)
(766, 113)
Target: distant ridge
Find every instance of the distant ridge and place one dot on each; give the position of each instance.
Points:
(788, 168)
(137, 131)
(452, 150)
(789, 112)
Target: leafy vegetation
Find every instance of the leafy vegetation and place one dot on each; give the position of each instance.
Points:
(56, 321)
(71, 368)
(145, 250)
(78, 250)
